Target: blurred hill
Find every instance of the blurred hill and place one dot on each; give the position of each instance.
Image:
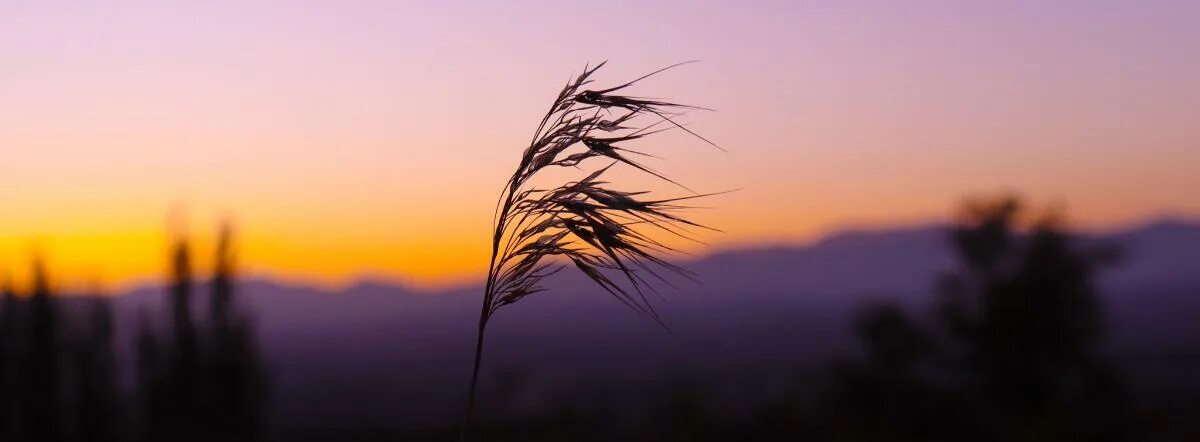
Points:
(374, 353)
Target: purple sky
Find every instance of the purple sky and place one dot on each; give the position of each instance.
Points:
(352, 138)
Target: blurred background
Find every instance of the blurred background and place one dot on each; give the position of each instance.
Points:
(269, 221)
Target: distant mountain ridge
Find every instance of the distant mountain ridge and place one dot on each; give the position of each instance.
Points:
(756, 310)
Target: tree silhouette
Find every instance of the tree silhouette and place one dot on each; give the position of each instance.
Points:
(1019, 356)
(1026, 314)
(11, 349)
(98, 402)
(197, 380)
(171, 372)
(43, 370)
(151, 388)
(58, 382)
(234, 370)
(206, 382)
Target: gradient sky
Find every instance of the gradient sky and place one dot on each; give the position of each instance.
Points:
(351, 139)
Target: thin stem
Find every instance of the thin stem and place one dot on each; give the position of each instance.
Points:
(474, 376)
(485, 311)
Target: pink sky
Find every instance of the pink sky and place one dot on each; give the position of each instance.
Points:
(370, 138)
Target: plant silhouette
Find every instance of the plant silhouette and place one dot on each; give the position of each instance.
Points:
(600, 230)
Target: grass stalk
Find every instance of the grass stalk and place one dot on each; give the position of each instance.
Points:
(587, 223)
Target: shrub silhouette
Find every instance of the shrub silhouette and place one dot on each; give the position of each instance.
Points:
(889, 395)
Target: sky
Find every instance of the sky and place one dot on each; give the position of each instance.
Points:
(370, 139)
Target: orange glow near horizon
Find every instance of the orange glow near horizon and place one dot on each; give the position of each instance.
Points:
(371, 140)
